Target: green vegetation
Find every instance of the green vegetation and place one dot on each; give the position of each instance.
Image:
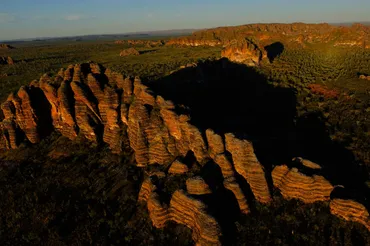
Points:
(34, 60)
(61, 192)
(344, 100)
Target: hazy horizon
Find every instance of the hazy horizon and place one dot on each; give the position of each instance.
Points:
(27, 19)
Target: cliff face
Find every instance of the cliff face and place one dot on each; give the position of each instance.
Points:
(90, 101)
(243, 51)
(297, 34)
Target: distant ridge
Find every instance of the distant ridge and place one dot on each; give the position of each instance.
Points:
(91, 37)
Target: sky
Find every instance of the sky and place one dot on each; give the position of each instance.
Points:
(55, 18)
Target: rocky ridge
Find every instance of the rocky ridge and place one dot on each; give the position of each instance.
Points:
(296, 34)
(90, 101)
(147, 43)
(129, 52)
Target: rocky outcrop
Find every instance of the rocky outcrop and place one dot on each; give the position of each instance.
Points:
(178, 167)
(183, 209)
(350, 210)
(192, 41)
(147, 43)
(294, 184)
(247, 165)
(231, 184)
(295, 35)
(192, 213)
(215, 143)
(364, 77)
(6, 47)
(307, 163)
(197, 186)
(6, 60)
(243, 51)
(102, 106)
(129, 52)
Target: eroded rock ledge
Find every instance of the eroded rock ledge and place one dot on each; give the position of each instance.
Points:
(90, 101)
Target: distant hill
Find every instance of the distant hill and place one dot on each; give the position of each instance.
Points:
(130, 35)
(294, 34)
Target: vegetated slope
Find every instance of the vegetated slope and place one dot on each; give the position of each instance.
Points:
(234, 172)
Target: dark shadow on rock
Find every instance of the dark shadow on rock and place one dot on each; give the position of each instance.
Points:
(274, 50)
(222, 203)
(42, 110)
(339, 164)
(230, 97)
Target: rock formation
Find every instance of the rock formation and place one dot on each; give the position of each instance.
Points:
(147, 43)
(247, 165)
(6, 60)
(197, 186)
(350, 210)
(6, 47)
(364, 77)
(294, 184)
(129, 52)
(178, 167)
(295, 34)
(89, 101)
(243, 51)
(192, 213)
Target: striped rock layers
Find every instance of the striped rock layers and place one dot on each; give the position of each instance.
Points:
(294, 184)
(350, 210)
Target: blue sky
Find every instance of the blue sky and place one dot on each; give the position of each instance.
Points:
(50, 18)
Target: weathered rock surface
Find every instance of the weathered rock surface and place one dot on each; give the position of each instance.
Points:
(231, 184)
(197, 186)
(178, 167)
(192, 213)
(294, 184)
(350, 210)
(215, 143)
(129, 52)
(243, 51)
(247, 165)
